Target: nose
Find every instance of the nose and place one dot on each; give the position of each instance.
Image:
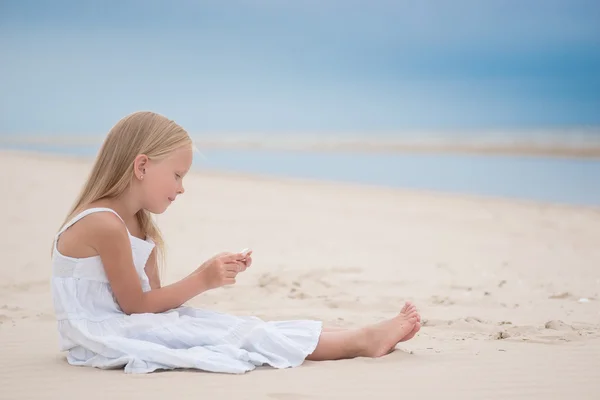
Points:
(181, 190)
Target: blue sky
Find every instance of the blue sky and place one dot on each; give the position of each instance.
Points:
(72, 67)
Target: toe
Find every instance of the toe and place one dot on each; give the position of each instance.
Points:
(417, 327)
(412, 333)
(409, 308)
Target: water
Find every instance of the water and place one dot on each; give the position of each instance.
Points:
(557, 180)
(572, 181)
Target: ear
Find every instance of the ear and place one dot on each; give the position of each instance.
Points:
(139, 166)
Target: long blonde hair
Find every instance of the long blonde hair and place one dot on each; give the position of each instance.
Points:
(142, 132)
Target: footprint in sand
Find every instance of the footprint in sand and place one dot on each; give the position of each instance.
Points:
(558, 325)
(270, 282)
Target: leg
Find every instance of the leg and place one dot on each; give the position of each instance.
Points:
(371, 341)
(337, 345)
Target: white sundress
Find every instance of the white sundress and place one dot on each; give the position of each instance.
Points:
(97, 333)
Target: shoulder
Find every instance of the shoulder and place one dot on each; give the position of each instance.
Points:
(96, 231)
(103, 228)
(107, 235)
(104, 222)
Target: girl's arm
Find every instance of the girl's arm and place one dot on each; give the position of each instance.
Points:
(109, 237)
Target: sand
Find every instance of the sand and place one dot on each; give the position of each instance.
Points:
(498, 283)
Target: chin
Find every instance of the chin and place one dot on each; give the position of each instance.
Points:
(157, 210)
(162, 210)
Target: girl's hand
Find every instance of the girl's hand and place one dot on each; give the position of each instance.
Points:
(222, 269)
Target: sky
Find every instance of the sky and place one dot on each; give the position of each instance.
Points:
(76, 67)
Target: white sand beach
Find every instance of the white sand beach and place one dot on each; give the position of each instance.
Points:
(509, 290)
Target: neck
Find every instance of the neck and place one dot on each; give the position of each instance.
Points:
(127, 207)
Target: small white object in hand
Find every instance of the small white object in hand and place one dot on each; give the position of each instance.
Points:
(245, 252)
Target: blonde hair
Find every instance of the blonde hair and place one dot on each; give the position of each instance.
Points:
(139, 133)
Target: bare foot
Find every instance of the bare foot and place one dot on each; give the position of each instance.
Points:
(417, 327)
(412, 334)
(381, 338)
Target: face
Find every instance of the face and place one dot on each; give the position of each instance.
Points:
(162, 179)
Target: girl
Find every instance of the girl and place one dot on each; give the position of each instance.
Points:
(111, 308)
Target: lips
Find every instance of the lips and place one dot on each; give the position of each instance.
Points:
(171, 199)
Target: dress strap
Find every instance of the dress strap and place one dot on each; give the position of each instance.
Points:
(85, 213)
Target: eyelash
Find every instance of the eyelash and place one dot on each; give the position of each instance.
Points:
(178, 176)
